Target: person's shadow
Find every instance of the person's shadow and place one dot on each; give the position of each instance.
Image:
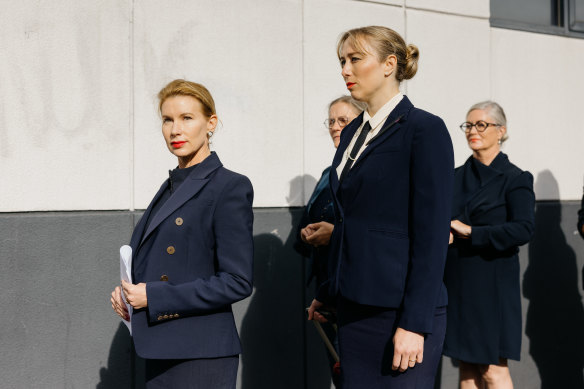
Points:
(273, 330)
(119, 372)
(555, 316)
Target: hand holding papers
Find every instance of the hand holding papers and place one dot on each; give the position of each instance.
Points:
(126, 275)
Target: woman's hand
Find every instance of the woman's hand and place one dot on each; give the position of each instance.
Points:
(460, 230)
(118, 304)
(451, 238)
(135, 294)
(317, 234)
(313, 313)
(408, 349)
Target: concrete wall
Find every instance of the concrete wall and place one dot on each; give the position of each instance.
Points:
(57, 329)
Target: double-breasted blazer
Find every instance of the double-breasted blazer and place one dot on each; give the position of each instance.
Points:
(392, 218)
(196, 258)
(482, 272)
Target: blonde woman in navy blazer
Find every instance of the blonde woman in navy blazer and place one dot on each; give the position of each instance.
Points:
(192, 255)
(392, 199)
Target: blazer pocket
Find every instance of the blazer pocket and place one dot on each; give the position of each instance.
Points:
(386, 254)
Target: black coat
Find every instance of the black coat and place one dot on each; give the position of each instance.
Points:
(318, 209)
(482, 273)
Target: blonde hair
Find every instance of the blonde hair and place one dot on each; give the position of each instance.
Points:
(356, 105)
(495, 111)
(188, 88)
(385, 42)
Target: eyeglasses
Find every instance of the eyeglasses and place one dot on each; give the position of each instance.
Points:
(481, 126)
(342, 120)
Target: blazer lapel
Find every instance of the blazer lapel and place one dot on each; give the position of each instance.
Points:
(139, 229)
(486, 175)
(190, 187)
(392, 124)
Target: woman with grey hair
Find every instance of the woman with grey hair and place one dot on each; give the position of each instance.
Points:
(492, 215)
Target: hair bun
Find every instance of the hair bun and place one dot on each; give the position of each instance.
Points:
(412, 56)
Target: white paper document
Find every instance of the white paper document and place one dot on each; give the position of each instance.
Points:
(126, 275)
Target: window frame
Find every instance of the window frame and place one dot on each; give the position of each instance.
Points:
(570, 28)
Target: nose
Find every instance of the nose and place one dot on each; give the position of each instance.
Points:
(345, 71)
(176, 128)
(473, 127)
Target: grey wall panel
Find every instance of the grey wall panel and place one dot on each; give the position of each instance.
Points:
(57, 328)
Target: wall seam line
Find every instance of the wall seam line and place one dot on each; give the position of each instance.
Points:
(132, 111)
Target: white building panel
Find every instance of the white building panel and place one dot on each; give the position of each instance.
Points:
(64, 106)
(249, 55)
(538, 80)
(475, 8)
(453, 70)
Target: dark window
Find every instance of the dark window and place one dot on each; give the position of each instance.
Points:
(558, 17)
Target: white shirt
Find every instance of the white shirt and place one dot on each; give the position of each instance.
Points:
(376, 122)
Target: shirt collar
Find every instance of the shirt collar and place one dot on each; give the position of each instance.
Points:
(381, 115)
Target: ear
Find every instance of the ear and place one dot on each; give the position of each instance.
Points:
(212, 123)
(390, 65)
(502, 131)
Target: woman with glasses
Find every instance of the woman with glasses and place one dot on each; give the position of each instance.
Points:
(492, 215)
(316, 226)
(391, 182)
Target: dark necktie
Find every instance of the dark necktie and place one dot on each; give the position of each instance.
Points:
(355, 150)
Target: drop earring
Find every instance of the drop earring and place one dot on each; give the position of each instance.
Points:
(210, 134)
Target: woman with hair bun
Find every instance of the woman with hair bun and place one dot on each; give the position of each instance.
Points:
(192, 255)
(391, 181)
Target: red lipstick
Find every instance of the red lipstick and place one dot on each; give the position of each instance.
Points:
(350, 85)
(177, 145)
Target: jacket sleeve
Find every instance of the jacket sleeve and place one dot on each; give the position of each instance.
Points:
(520, 226)
(233, 233)
(431, 181)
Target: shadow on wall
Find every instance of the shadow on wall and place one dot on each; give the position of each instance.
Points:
(273, 329)
(555, 316)
(119, 362)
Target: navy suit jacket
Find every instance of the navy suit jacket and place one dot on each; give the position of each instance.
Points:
(196, 258)
(392, 225)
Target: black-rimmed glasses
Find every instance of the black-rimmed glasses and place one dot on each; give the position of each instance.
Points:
(481, 126)
(341, 120)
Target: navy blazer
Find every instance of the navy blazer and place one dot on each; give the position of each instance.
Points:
(392, 210)
(196, 258)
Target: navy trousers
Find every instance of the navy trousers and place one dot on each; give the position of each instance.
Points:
(215, 373)
(366, 349)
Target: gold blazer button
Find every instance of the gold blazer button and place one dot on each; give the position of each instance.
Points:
(164, 277)
(179, 221)
(165, 316)
(159, 317)
(170, 250)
